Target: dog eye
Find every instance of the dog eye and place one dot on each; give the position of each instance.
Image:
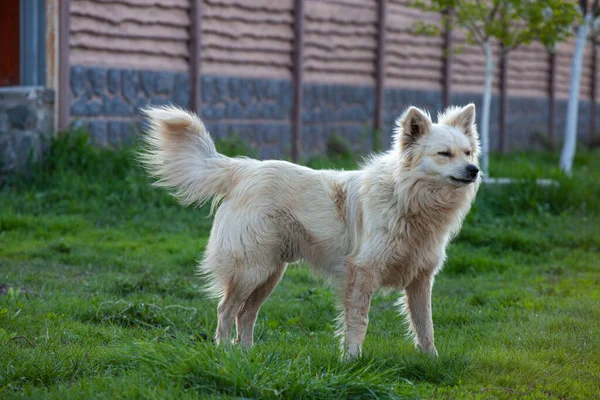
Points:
(445, 154)
(468, 153)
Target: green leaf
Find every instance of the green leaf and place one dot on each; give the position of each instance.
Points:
(512, 22)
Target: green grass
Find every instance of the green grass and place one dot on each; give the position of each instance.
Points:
(109, 305)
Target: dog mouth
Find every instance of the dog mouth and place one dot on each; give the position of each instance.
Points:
(462, 181)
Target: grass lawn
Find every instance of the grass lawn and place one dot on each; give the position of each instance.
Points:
(98, 297)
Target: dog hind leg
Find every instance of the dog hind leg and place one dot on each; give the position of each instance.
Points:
(227, 309)
(246, 317)
(237, 287)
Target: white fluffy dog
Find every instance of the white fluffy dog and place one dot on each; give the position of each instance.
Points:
(386, 225)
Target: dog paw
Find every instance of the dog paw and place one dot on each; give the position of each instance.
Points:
(351, 353)
(429, 350)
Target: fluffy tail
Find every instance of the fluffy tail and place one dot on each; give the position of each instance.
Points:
(179, 152)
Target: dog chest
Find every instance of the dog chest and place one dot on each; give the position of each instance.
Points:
(409, 256)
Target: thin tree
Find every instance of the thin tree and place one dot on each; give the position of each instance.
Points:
(583, 31)
(511, 22)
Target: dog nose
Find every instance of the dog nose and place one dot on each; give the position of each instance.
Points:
(472, 170)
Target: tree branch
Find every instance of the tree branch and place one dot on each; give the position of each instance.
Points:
(508, 49)
(481, 10)
(514, 43)
(492, 14)
(480, 36)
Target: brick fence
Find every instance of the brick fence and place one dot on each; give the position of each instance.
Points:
(287, 74)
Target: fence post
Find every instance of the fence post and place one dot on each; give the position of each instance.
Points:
(298, 79)
(447, 59)
(63, 64)
(195, 52)
(551, 93)
(593, 92)
(502, 140)
(380, 70)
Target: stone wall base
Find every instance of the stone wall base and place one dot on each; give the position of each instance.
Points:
(107, 102)
(26, 125)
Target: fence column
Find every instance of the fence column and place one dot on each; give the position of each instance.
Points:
(447, 59)
(63, 64)
(380, 70)
(593, 92)
(502, 140)
(195, 52)
(298, 80)
(551, 93)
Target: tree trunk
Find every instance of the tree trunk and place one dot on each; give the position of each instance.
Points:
(568, 150)
(485, 113)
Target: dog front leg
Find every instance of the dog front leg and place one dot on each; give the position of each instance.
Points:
(360, 286)
(417, 304)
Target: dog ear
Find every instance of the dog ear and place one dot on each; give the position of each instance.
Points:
(464, 119)
(413, 124)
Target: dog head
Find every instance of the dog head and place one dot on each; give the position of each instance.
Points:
(446, 152)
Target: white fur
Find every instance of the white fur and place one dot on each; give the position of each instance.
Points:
(384, 226)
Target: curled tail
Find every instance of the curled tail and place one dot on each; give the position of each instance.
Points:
(179, 152)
